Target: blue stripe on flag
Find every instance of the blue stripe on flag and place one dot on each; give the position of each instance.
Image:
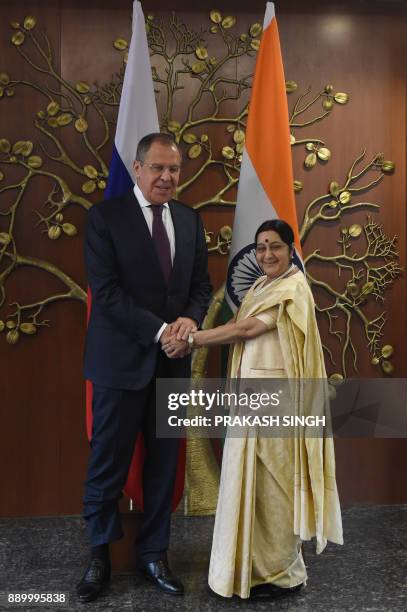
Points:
(119, 181)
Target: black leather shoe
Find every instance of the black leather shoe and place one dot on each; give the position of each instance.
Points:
(97, 575)
(160, 574)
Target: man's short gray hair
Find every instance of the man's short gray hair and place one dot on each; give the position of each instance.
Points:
(146, 142)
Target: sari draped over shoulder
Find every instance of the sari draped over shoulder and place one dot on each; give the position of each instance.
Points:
(275, 492)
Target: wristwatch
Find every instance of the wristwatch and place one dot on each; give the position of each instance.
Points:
(191, 341)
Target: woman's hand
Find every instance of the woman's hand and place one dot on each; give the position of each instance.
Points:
(174, 348)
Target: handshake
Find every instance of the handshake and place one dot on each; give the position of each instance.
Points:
(174, 339)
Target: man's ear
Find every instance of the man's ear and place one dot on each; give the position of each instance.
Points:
(136, 167)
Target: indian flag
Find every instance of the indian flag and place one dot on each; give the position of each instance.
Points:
(265, 188)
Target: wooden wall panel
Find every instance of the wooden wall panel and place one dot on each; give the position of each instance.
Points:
(360, 47)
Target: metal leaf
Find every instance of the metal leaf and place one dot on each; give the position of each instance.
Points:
(255, 30)
(201, 53)
(387, 351)
(214, 29)
(367, 288)
(34, 161)
(215, 16)
(13, 336)
(226, 232)
(255, 44)
(327, 104)
(1, 326)
(10, 324)
(18, 38)
(4, 78)
(239, 147)
(204, 138)
(387, 367)
(5, 145)
(198, 67)
(345, 197)
(333, 203)
(388, 166)
(375, 361)
(81, 125)
(90, 171)
(228, 22)
(28, 328)
(54, 232)
(174, 126)
(310, 160)
(69, 229)
(194, 151)
(310, 146)
(292, 139)
(53, 108)
(64, 119)
(52, 122)
(22, 147)
(290, 86)
(298, 185)
(228, 152)
(1, 176)
(120, 44)
(239, 136)
(341, 98)
(324, 154)
(4, 238)
(352, 289)
(30, 22)
(82, 87)
(334, 188)
(329, 88)
(355, 230)
(89, 187)
(101, 184)
(59, 217)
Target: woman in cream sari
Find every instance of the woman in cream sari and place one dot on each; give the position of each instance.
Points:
(274, 492)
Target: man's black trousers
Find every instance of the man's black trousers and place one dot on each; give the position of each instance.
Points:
(118, 416)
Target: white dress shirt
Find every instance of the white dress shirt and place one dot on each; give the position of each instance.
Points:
(169, 228)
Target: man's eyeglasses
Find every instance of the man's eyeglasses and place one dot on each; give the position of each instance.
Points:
(159, 168)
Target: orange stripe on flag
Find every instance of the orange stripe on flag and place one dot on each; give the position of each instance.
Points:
(267, 133)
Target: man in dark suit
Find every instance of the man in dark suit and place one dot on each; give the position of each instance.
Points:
(146, 262)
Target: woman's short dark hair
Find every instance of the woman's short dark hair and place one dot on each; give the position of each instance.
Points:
(146, 142)
(282, 228)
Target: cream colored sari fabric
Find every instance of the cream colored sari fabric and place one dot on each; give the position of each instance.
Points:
(275, 492)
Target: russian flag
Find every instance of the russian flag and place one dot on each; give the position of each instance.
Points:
(137, 117)
(265, 188)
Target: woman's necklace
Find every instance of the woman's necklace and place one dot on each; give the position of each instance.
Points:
(283, 275)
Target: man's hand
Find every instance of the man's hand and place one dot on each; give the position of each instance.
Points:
(182, 327)
(176, 348)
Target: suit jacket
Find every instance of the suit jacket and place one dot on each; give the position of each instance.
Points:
(130, 299)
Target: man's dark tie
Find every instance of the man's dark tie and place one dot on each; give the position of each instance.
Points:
(161, 242)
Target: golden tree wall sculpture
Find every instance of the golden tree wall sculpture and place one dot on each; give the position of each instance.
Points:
(365, 258)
